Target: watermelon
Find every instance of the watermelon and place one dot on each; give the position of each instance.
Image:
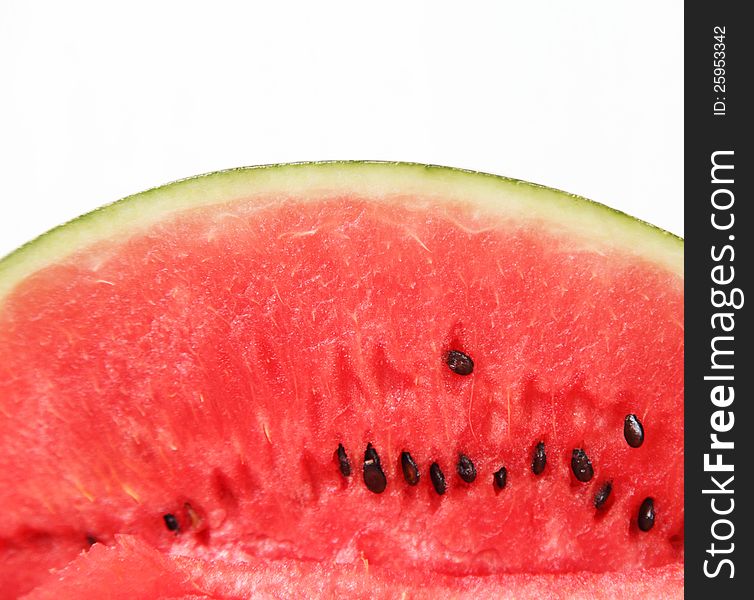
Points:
(343, 379)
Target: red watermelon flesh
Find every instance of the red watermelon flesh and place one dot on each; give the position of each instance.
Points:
(201, 351)
(130, 568)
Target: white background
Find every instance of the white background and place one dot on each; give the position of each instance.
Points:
(99, 100)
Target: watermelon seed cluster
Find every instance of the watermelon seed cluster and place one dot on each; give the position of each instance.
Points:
(581, 466)
(376, 480)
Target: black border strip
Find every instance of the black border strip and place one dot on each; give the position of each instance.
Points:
(719, 259)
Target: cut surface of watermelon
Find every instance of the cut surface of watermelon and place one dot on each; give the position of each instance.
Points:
(178, 372)
(130, 568)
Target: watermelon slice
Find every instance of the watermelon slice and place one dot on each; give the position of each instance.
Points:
(343, 379)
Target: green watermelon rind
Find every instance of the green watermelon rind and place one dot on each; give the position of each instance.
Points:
(511, 198)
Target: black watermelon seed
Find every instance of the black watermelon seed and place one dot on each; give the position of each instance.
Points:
(633, 431)
(343, 462)
(647, 514)
(170, 522)
(500, 478)
(374, 477)
(602, 495)
(438, 479)
(91, 540)
(539, 460)
(459, 363)
(466, 469)
(410, 470)
(581, 465)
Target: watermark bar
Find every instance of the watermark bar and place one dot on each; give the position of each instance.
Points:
(719, 425)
